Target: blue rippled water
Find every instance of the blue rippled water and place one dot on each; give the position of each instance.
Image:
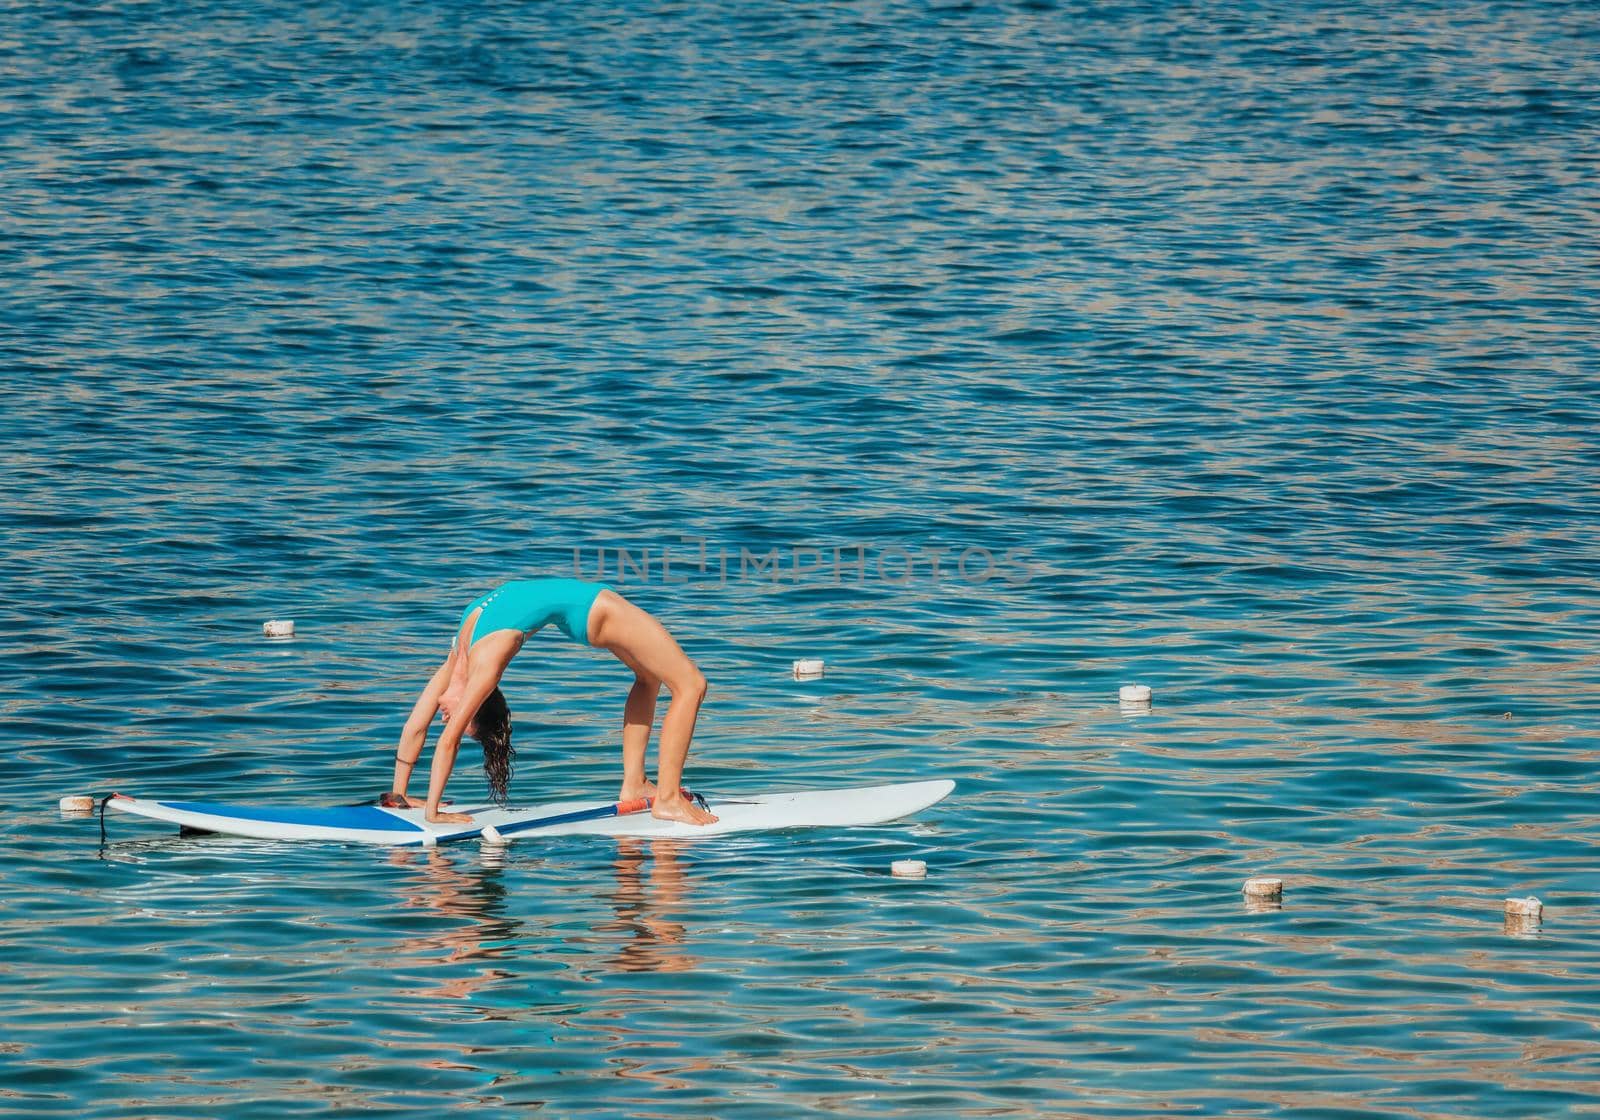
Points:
(1000, 354)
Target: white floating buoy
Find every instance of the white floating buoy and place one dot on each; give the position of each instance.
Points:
(1524, 917)
(77, 803)
(908, 869)
(278, 628)
(1134, 694)
(1524, 909)
(808, 667)
(1263, 887)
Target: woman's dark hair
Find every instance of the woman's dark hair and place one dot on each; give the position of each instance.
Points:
(492, 728)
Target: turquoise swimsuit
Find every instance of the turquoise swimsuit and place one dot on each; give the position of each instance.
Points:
(528, 604)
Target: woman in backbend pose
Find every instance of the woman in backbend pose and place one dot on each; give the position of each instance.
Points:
(466, 690)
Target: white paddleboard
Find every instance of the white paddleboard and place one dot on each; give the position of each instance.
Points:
(371, 824)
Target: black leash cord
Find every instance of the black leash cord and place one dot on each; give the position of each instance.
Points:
(103, 801)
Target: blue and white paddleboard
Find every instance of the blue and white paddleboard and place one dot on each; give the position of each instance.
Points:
(370, 824)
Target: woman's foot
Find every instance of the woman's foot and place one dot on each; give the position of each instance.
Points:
(677, 807)
(637, 791)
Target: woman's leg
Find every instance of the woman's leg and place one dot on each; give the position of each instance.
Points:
(643, 644)
(637, 717)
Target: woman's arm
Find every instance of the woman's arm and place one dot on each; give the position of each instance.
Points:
(415, 735)
(489, 660)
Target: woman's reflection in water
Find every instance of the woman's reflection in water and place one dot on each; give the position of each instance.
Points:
(642, 934)
(472, 893)
(647, 897)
